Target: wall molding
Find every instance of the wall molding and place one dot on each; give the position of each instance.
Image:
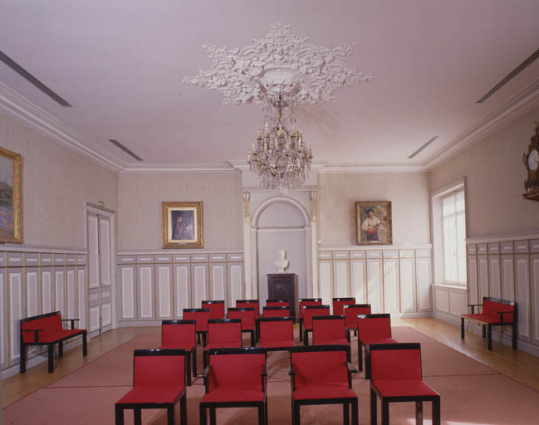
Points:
(502, 238)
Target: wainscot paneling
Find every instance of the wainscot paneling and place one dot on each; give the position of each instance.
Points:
(393, 280)
(155, 286)
(35, 281)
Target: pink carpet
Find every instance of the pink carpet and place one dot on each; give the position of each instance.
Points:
(472, 393)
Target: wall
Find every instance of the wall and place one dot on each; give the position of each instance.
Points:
(56, 184)
(408, 192)
(495, 177)
(140, 213)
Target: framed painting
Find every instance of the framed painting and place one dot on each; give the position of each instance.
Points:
(10, 197)
(374, 226)
(182, 225)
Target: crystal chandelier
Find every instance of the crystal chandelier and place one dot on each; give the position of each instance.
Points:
(279, 156)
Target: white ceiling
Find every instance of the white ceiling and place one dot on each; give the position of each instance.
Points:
(120, 63)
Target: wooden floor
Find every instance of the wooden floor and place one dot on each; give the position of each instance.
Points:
(518, 365)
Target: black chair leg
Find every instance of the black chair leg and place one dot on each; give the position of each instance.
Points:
(514, 336)
(374, 409)
(205, 359)
(170, 415)
(261, 414)
(484, 331)
(346, 414)
(138, 416)
(436, 417)
(183, 410)
(385, 412)
(51, 358)
(213, 418)
(462, 327)
(202, 410)
(253, 342)
(419, 413)
(301, 330)
(489, 337)
(22, 365)
(266, 411)
(355, 415)
(119, 415)
(61, 349)
(188, 369)
(359, 355)
(84, 344)
(297, 415)
(194, 362)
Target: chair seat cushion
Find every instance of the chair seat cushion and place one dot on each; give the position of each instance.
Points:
(320, 391)
(277, 344)
(485, 318)
(222, 345)
(151, 395)
(403, 388)
(369, 341)
(233, 394)
(182, 346)
(59, 335)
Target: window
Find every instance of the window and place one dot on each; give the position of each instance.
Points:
(454, 238)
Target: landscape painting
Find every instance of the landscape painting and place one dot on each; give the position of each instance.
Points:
(10, 197)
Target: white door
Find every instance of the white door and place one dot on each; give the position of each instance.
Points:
(100, 253)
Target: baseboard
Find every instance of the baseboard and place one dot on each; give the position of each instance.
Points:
(504, 338)
(139, 323)
(411, 315)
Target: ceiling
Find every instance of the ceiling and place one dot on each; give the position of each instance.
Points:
(121, 64)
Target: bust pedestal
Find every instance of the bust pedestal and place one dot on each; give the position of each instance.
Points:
(284, 286)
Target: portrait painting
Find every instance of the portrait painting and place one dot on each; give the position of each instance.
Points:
(10, 197)
(182, 225)
(374, 225)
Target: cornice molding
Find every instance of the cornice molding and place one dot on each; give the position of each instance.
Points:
(32, 116)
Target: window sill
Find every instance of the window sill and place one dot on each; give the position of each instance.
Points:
(447, 286)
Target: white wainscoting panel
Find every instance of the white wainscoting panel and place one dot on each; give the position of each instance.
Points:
(127, 289)
(183, 283)
(200, 283)
(508, 278)
(46, 290)
(483, 278)
(391, 285)
(106, 315)
(523, 295)
(94, 319)
(374, 284)
(535, 290)
(146, 291)
(325, 274)
(495, 281)
(3, 320)
(16, 311)
(407, 285)
(81, 293)
(32, 292)
(442, 300)
(342, 278)
(472, 280)
(164, 291)
(71, 297)
(59, 285)
(424, 283)
(218, 282)
(235, 278)
(359, 280)
(458, 303)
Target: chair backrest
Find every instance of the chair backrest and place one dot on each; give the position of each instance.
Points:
(308, 301)
(395, 362)
(494, 305)
(246, 315)
(180, 332)
(351, 312)
(250, 303)
(276, 329)
(373, 326)
(339, 303)
(49, 322)
(277, 303)
(328, 329)
(199, 315)
(319, 364)
(231, 367)
(313, 310)
(276, 311)
(160, 368)
(217, 308)
(224, 331)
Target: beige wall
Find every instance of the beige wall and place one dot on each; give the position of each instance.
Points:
(495, 177)
(141, 194)
(56, 184)
(408, 193)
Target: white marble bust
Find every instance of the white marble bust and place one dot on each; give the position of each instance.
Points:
(281, 263)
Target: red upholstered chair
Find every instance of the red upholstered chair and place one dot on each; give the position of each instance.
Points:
(222, 333)
(217, 308)
(181, 334)
(372, 329)
(235, 377)
(201, 317)
(308, 312)
(247, 317)
(339, 303)
(158, 383)
(249, 303)
(281, 311)
(351, 311)
(321, 374)
(330, 330)
(276, 333)
(396, 377)
(304, 302)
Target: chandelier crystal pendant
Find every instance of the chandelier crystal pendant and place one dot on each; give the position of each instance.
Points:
(280, 156)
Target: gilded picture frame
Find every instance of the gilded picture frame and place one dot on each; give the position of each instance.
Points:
(183, 226)
(374, 223)
(10, 197)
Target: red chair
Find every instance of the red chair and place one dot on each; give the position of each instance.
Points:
(217, 308)
(276, 333)
(277, 303)
(181, 334)
(235, 377)
(222, 333)
(351, 311)
(372, 329)
(330, 330)
(281, 311)
(201, 317)
(396, 377)
(308, 312)
(339, 303)
(158, 383)
(304, 302)
(249, 303)
(321, 374)
(248, 320)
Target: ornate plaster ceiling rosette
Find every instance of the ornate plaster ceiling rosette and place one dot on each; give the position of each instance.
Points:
(279, 62)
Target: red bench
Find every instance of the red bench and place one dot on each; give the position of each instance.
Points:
(47, 329)
(494, 312)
